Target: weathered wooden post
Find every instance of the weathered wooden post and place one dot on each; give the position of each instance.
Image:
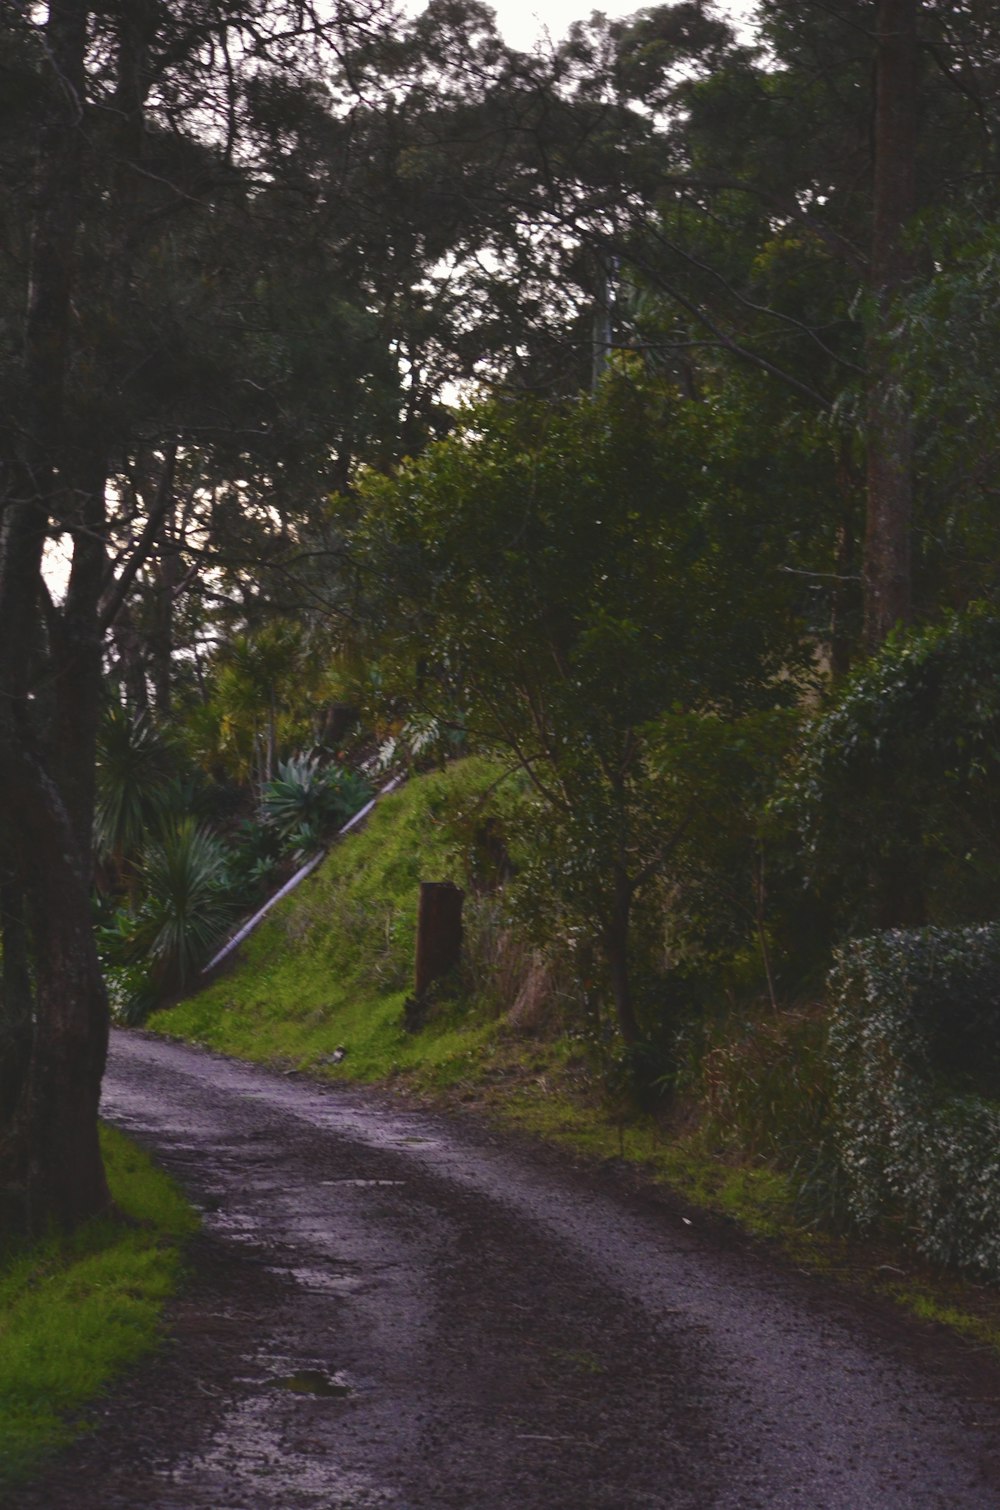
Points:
(439, 943)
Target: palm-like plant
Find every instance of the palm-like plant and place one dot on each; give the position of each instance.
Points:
(187, 905)
(136, 763)
(310, 799)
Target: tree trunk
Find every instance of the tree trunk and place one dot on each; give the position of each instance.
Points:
(16, 1008)
(616, 951)
(601, 319)
(76, 648)
(887, 566)
(66, 1181)
(131, 664)
(169, 571)
(51, 1148)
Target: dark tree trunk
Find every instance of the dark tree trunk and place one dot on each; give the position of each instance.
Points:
(50, 1155)
(887, 566)
(169, 575)
(16, 1009)
(131, 665)
(846, 597)
(616, 951)
(76, 644)
(66, 1181)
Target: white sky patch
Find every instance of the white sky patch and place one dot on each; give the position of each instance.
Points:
(525, 22)
(56, 563)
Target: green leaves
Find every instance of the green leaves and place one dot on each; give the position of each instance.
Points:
(913, 1043)
(186, 908)
(555, 579)
(898, 781)
(307, 801)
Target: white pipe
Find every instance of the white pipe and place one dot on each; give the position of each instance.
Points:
(300, 875)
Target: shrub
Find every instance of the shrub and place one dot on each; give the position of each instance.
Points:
(896, 794)
(136, 762)
(913, 1047)
(307, 801)
(185, 910)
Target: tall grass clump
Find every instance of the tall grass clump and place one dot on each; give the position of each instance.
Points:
(760, 1086)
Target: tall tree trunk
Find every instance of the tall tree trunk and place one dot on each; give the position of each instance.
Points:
(169, 570)
(131, 665)
(16, 1010)
(887, 565)
(76, 646)
(66, 1181)
(616, 951)
(845, 598)
(601, 321)
(52, 1148)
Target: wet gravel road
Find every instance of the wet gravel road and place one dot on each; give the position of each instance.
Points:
(392, 1308)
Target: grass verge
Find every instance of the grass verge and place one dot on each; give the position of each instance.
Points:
(74, 1312)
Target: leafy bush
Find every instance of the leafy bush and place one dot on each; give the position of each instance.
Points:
(254, 859)
(186, 907)
(913, 1046)
(307, 801)
(897, 794)
(136, 765)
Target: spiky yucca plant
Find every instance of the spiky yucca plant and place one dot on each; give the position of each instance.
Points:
(310, 799)
(136, 762)
(186, 908)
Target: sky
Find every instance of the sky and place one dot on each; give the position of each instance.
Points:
(523, 21)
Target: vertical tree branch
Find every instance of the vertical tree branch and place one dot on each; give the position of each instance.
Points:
(887, 564)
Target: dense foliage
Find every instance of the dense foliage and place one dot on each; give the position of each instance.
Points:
(554, 580)
(896, 789)
(913, 1043)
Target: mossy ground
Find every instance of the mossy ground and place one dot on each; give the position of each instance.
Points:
(74, 1312)
(331, 969)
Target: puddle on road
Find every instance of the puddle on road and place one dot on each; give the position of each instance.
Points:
(236, 1226)
(321, 1281)
(250, 1461)
(313, 1381)
(362, 1184)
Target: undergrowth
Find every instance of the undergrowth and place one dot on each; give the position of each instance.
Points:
(75, 1311)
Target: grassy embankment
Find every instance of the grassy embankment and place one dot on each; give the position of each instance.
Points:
(332, 966)
(75, 1312)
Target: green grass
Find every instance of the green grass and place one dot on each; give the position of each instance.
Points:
(74, 1312)
(333, 964)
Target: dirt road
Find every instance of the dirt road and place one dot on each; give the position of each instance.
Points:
(398, 1309)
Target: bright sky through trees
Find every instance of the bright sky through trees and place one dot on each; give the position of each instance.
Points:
(523, 21)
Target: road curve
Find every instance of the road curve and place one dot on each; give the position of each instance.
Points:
(392, 1308)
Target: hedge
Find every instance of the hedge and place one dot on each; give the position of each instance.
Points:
(915, 1052)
